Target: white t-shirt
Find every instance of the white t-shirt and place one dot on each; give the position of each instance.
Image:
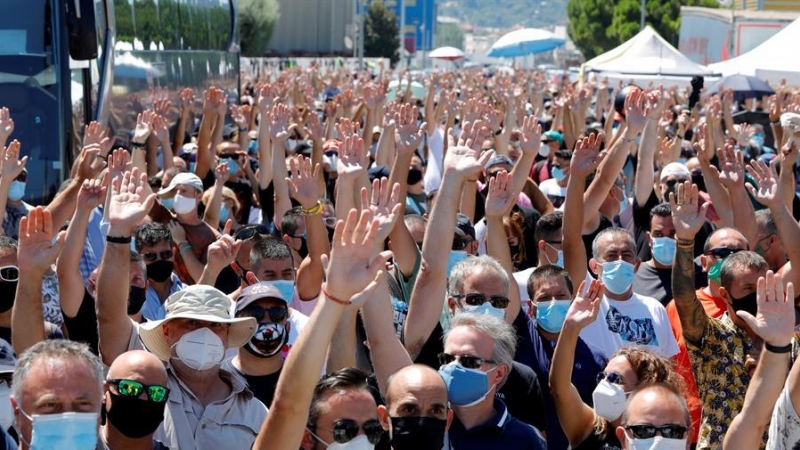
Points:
(433, 173)
(553, 192)
(784, 428)
(639, 321)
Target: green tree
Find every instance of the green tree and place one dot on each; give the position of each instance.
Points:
(449, 34)
(381, 32)
(596, 26)
(257, 19)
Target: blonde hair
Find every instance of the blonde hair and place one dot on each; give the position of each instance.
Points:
(227, 194)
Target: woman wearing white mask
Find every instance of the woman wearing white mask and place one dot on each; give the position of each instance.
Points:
(590, 428)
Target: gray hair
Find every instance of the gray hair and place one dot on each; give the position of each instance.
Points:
(465, 267)
(503, 334)
(617, 231)
(54, 349)
(737, 262)
(766, 223)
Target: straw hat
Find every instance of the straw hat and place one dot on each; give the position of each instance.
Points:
(198, 302)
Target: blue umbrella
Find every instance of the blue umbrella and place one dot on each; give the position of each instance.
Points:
(528, 41)
(743, 86)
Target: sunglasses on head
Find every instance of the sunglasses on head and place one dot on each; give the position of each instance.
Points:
(131, 388)
(612, 377)
(246, 233)
(346, 430)
(477, 299)
(153, 256)
(669, 431)
(9, 273)
(466, 361)
(722, 252)
(277, 314)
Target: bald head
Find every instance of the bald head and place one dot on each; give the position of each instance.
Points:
(415, 385)
(140, 366)
(659, 405)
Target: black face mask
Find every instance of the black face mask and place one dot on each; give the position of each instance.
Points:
(303, 250)
(160, 270)
(269, 340)
(133, 417)
(136, 298)
(418, 433)
(8, 291)
(414, 176)
(747, 303)
(330, 233)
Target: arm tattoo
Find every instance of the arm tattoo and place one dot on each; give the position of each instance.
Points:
(693, 317)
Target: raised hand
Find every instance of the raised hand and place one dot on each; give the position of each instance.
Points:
(129, 204)
(279, 123)
(384, 205)
(530, 135)
(161, 129)
(774, 322)
(500, 197)
(768, 192)
(687, 214)
(6, 125)
(583, 310)
(36, 251)
(161, 104)
(144, 126)
(11, 166)
(222, 252)
(731, 167)
(92, 193)
(177, 232)
(409, 134)
(587, 156)
(221, 174)
(314, 127)
(237, 114)
(187, 100)
(635, 116)
(89, 165)
(465, 159)
(119, 162)
(303, 184)
(347, 128)
(266, 98)
(212, 101)
(743, 134)
(351, 153)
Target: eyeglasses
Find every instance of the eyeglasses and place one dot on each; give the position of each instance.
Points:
(153, 256)
(276, 314)
(9, 273)
(246, 233)
(669, 431)
(131, 388)
(346, 430)
(468, 362)
(612, 377)
(477, 299)
(461, 244)
(722, 252)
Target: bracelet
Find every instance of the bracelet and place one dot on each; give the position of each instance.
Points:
(242, 130)
(118, 239)
(685, 242)
(137, 145)
(334, 299)
(316, 209)
(184, 248)
(774, 349)
(180, 244)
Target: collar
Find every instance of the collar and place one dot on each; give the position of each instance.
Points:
(237, 384)
(498, 421)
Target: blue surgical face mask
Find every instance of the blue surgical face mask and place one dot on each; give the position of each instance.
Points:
(456, 256)
(233, 166)
(465, 387)
(559, 259)
(486, 308)
(72, 430)
(252, 148)
(223, 214)
(558, 174)
(191, 166)
(167, 202)
(758, 138)
(664, 250)
(286, 288)
(617, 276)
(16, 191)
(550, 315)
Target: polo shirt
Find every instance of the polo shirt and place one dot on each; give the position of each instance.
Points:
(153, 308)
(502, 430)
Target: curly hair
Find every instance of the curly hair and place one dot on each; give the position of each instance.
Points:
(513, 226)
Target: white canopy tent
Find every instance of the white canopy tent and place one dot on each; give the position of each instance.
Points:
(647, 58)
(771, 61)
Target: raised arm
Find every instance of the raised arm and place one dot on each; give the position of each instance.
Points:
(499, 201)
(352, 278)
(350, 168)
(688, 217)
(213, 99)
(211, 214)
(279, 131)
(220, 254)
(719, 195)
(428, 295)
(10, 167)
(774, 324)
(645, 176)
(731, 175)
(187, 102)
(529, 143)
(6, 126)
(264, 143)
(36, 254)
(575, 416)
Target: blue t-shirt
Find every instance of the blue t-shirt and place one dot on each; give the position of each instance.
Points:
(537, 352)
(501, 431)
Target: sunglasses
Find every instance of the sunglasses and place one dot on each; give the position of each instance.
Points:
(246, 233)
(722, 252)
(346, 430)
(153, 256)
(669, 431)
(477, 299)
(277, 314)
(131, 388)
(461, 244)
(229, 156)
(330, 222)
(466, 361)
(9, 273)
(612, 377)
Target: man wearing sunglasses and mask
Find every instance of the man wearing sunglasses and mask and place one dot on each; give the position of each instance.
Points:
(656, 416)
(154, 244)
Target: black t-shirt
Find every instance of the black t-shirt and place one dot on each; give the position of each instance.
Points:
(657, 283)
(267, 198)
(262, 386)
(596, 442)
(588, 239)
(83, 327)
(641, 225)
(244, 194)
(522, 394)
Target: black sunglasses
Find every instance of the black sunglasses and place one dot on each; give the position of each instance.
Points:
(246, 233)
(669, 431)
(9, 273)
(153, 256)
(346, 430)
(277, 314)
(612, 377)
(131, 388)
(722, 252)
(229, 156)
(468, 362)
(477, 299)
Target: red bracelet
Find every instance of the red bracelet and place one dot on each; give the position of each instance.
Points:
(334, 299)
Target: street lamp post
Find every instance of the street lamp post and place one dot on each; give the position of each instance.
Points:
(642, 14)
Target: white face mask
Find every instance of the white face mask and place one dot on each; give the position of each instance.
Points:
(609, 400)
(183, 205)
(359, 443)
(544, 150)
(657, 443)
(200, 349)
(6, 411)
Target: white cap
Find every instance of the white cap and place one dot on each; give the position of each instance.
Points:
(183, 178)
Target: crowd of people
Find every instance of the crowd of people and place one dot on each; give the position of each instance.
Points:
(510, 262)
